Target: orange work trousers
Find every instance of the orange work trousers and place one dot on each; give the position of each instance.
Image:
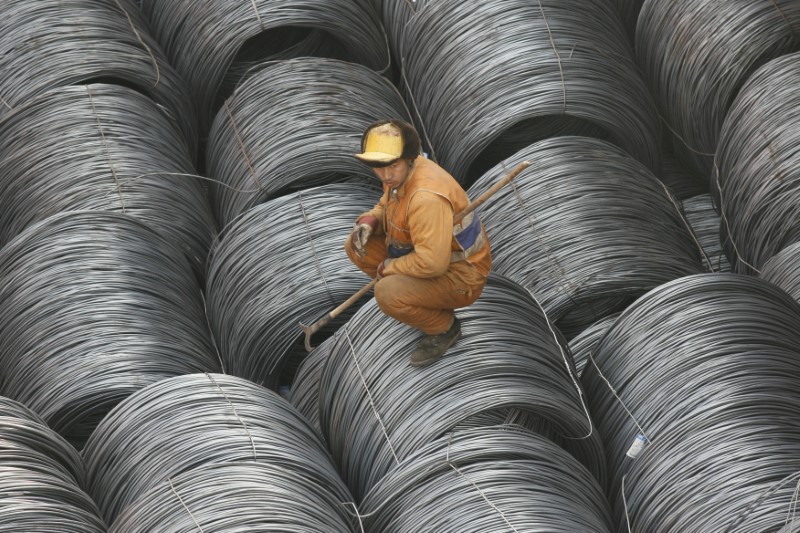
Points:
(423, 303)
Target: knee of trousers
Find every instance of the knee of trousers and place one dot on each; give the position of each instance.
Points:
(388, 295)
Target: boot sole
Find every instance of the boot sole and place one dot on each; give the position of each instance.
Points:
(420, 364)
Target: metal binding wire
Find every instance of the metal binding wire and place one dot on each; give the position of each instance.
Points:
(511, 72)
(586, 228)
(705, 370)
(95, 306)
(757, 177)
(56, 43)
(103, 147)
(704, 220)
(583, 344)
(162, 442)
(376, 410)
(695, 57)
(293, 126)
(281, 263)
(783, 269)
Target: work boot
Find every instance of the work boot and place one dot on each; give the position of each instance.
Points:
(432, 347)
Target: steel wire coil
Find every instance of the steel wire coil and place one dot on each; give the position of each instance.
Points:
(101, 147)
(695, 56)
(629, 12)
(584, 344)
(757, 173)
(704, 220)
(203, 40)
(512, 72)
(293, 126)
(586, 228)
(783, 269)
(681, 182)
(375, 409)
(394, 15)
(179, 425)
(498, 478)
(95, 306)
(304, 392)
(707, 359)
(281, 263)
(55, 43)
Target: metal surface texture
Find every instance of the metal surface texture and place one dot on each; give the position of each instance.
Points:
(305, 386)
(584, 344)
(704, 220)
(783, 269)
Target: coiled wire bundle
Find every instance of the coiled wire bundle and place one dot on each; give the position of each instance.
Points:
(102, 147)
(281, 263)
(757, 177)
(55, 43)
(203, 40)
(293, 126)
(696, 55)
(170, 440)
(783, 269)
(512, 72)
(500, 478)
(305, 386)
(705, 369)
(95, 306)
(376, 410)
(629, 12)
(704, 220)
(583, 345)
(680, 181)
(586, 228)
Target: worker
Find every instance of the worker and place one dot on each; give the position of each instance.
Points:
(426, 264)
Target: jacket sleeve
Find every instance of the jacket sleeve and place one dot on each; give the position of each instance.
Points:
(430, 219)
(378, 212)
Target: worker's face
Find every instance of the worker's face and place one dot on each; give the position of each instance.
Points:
(395, 174)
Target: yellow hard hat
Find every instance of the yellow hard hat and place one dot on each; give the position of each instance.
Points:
(382, 145)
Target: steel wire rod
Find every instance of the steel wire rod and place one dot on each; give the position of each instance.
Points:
(500, 478)
(586, 228)
(698, 360)
(305, 386)
(629, 12)
(394, 15)
(704, 220)
(293, 126)
(583, 344)
(783, 269)
(103, 147)
(203, 40)
(490, 78)
(375, 409)
(696, 55)
(170, 430)
(680, 181)
(55, 43)
(757, 176)
(95, 306)
(281, 263)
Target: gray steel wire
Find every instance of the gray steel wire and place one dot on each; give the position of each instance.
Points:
(293, 126)
(55, 43)
(304, 391)
(103, 147)
(176, 429)
(203, 39)
(490, 78)
(783, 269)
(629, 12)
(757, 173)
(584, 344)
(95, 306)
(696, 55)
(498, 478)
(394, 15)
(681, 182)
(376, 410)
(281, 263)
(706, 368)
(704, 220)
(586, 228)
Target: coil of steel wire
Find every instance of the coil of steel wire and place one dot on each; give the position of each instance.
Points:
(55, 43)
(704, 220)
(511, 72)
(629, 11)
(705, 369)
(205, 40)
(680, 181)
(293, 126)
(95, 306)
(375, 409)
(305, 386)
(281, 263)
(498, 478)
(586, 228)
(181, 424)
(783, 269)
(585, 343)
(394, 15)
(757, 177)
(695, 56)
(101, 147)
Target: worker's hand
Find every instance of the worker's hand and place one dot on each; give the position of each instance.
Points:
(385, 263)
(361, 233)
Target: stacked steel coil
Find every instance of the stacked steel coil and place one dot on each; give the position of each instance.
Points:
(161, 452)
(293, 126)
(695, 57)
(586, 228)
(281, 263)
(629, 11)
(305, 386)
(102, 147)
(376, 410)
(583, 345)
(95, 306)
(705, 369)
(783, 269)
(511, 72)
(757, 178)
(704, 220)
(681, 182)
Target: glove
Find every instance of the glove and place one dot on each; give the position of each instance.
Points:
(361, 233)
(385, 263)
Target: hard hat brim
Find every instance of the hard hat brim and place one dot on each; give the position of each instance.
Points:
(377, 157)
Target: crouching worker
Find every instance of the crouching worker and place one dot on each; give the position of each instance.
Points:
(426, 264)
